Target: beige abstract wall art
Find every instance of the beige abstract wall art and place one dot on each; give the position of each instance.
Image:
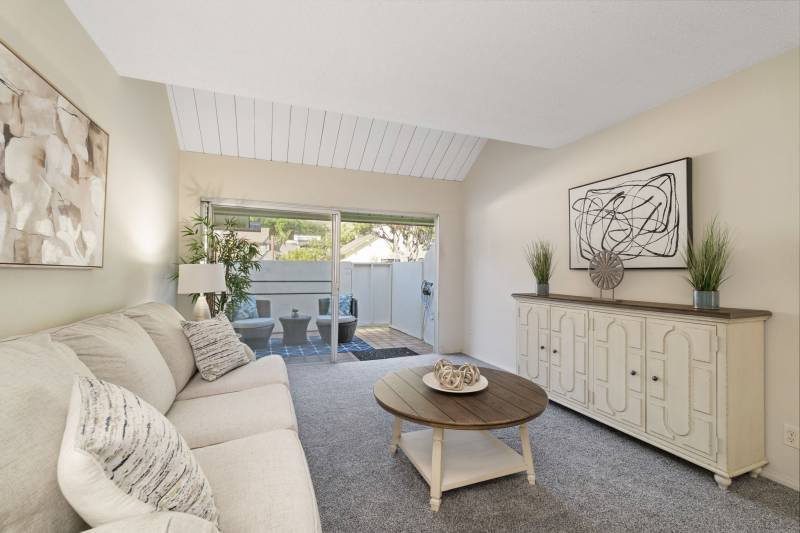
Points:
(53, 164)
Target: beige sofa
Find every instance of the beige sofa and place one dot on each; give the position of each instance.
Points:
(241, 427)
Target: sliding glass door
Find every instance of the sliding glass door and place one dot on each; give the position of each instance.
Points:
(296, 288)
(336, 285)
(389, 265)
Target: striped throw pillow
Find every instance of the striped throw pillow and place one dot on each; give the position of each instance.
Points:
(216, 346)
(120, 457)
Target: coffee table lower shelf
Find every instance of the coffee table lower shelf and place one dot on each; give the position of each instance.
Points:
(465, 457)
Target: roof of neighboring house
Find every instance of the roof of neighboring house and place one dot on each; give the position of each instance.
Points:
(357, 244)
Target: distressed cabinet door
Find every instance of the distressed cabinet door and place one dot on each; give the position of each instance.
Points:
(568, 353)
(681, 384)
(618, 357)
(533, 340)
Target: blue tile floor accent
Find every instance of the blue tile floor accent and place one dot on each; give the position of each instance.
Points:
(315, 346)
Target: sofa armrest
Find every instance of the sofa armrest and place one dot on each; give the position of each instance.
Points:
(354, 307)
(158, 522)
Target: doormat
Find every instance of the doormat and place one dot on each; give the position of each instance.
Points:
(383, 353)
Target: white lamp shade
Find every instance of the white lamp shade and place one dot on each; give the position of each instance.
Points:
(201, 278)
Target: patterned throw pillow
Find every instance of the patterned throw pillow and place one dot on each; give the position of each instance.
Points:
(216, 346)
(345, 301)
(246, 309)
(121, 458)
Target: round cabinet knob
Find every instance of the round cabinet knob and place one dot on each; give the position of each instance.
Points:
(555, 351)
(655, 378)
(633, 372)
(541, 347)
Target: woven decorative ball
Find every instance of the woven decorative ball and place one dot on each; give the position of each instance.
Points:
(440, 364)
(450, 378)
(455, 378)
(471, 374)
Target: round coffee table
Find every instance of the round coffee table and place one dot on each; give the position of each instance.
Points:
(294, 329)
(460, 424)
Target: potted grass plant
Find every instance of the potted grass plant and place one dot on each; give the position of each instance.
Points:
(539, 255)
(707, 265)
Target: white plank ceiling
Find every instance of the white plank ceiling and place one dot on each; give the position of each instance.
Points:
(222, 124)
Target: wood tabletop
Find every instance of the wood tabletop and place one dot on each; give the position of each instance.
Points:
(508, 401)
(726, 313)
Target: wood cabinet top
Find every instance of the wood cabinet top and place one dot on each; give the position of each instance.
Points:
(725, 313)
(509, 400)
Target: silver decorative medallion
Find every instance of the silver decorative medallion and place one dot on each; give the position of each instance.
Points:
(606, 270)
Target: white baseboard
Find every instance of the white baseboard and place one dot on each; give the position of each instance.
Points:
(783, 480)
(501, 367)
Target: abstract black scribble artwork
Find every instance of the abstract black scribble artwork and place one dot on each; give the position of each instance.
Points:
(643, 216)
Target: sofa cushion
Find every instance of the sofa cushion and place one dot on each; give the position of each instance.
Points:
(325, 320)
(215, 345)
(252, 323)
(345, 304)
(266, 370)
(261, 484)
(163, 323)
(246, 309)
(248, 351)
(158, 522)
(120, 458)
(116, 349)
(36, 376)
(214, 419)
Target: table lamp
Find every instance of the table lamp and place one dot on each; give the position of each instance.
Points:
(201, 279)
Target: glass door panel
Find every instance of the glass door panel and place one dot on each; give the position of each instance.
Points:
(296, 288)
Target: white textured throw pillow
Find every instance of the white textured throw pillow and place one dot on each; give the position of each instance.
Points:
(216, 346)
(121, 458)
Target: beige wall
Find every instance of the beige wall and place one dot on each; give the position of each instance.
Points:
(140, 241)
(742, 134)
(228, 177)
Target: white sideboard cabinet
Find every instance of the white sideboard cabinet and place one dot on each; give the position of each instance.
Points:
(688, 381)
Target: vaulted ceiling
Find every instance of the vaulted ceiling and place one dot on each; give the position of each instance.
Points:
(542, 73)
(241, 126)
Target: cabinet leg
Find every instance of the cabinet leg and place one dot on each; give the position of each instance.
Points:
(436, 469)
(755, 473)
(723, 481)
(527, 454)
(398, 426)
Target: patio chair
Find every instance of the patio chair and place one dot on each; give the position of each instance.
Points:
(347, 322)
(252, 320)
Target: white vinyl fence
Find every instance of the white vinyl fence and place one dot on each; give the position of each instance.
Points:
(407, 298)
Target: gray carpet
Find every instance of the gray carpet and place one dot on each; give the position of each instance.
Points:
(589, 477)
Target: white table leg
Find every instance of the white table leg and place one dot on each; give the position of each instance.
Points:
(436, 469)
(398, 426)
(527, 454)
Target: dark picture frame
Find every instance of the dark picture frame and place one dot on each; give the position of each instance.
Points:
(645, 216)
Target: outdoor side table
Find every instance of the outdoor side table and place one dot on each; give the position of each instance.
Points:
(294, 329)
